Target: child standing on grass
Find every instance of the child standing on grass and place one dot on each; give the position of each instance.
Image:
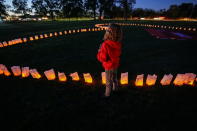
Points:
(109, 55)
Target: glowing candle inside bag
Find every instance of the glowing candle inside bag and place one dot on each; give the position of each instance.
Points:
(25, 72)
(55, 34)
(166, 80)
(62, 77)
(75, 76)
(124, 78)
(31, 38)
(87, 77)
(6, 72)
(36, 37)
(179, 80)
(51, 34)
(24, 39)
(5, 44)
(189, 78)
(10, 43)
(1, 45)
(103, 75)
(151, 80)
(16, 70)
(45, 35)
(35, 74)
(2, 69)
(139, 80)
(50, 74)
(41, 37)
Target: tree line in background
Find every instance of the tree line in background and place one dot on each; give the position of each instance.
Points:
(94, 8)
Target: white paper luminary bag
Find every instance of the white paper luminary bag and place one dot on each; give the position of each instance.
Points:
(139, 80)
(103, 75)
(62, 77)
(16, 70)
(75, 76)
(35, 74)
(151, 80)
(25, 72)
(179, 80)
(50, 74)
(124, 78)
(166, 80)
(87, 78)
(189, 78)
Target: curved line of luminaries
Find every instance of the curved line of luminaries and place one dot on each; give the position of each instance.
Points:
(99, 27)
(151, 26)
(188, 79)
(46, 35)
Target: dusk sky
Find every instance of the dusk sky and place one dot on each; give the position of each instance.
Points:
(153, 4)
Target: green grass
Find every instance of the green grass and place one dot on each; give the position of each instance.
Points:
(40, 104)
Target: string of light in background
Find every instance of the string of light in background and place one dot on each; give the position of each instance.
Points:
(188, 79)
(44, 36)
(99, 27)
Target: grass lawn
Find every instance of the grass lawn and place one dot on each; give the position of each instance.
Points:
(40, 104)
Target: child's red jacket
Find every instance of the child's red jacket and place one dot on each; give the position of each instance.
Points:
(109, 54)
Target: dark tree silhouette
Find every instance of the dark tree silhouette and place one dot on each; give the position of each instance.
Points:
(91, 5)
(20, 6)
(105, 7)
(72, 8)
(127, 6)
(40, 7)
(185, 10)
(53, 7)
(3, 11)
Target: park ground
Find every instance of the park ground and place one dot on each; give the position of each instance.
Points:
(30, 104)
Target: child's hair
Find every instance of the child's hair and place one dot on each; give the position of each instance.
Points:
(114, 33)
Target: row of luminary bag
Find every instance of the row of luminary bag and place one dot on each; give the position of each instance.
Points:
(181, 79)
(152, 26)
(42, 36)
